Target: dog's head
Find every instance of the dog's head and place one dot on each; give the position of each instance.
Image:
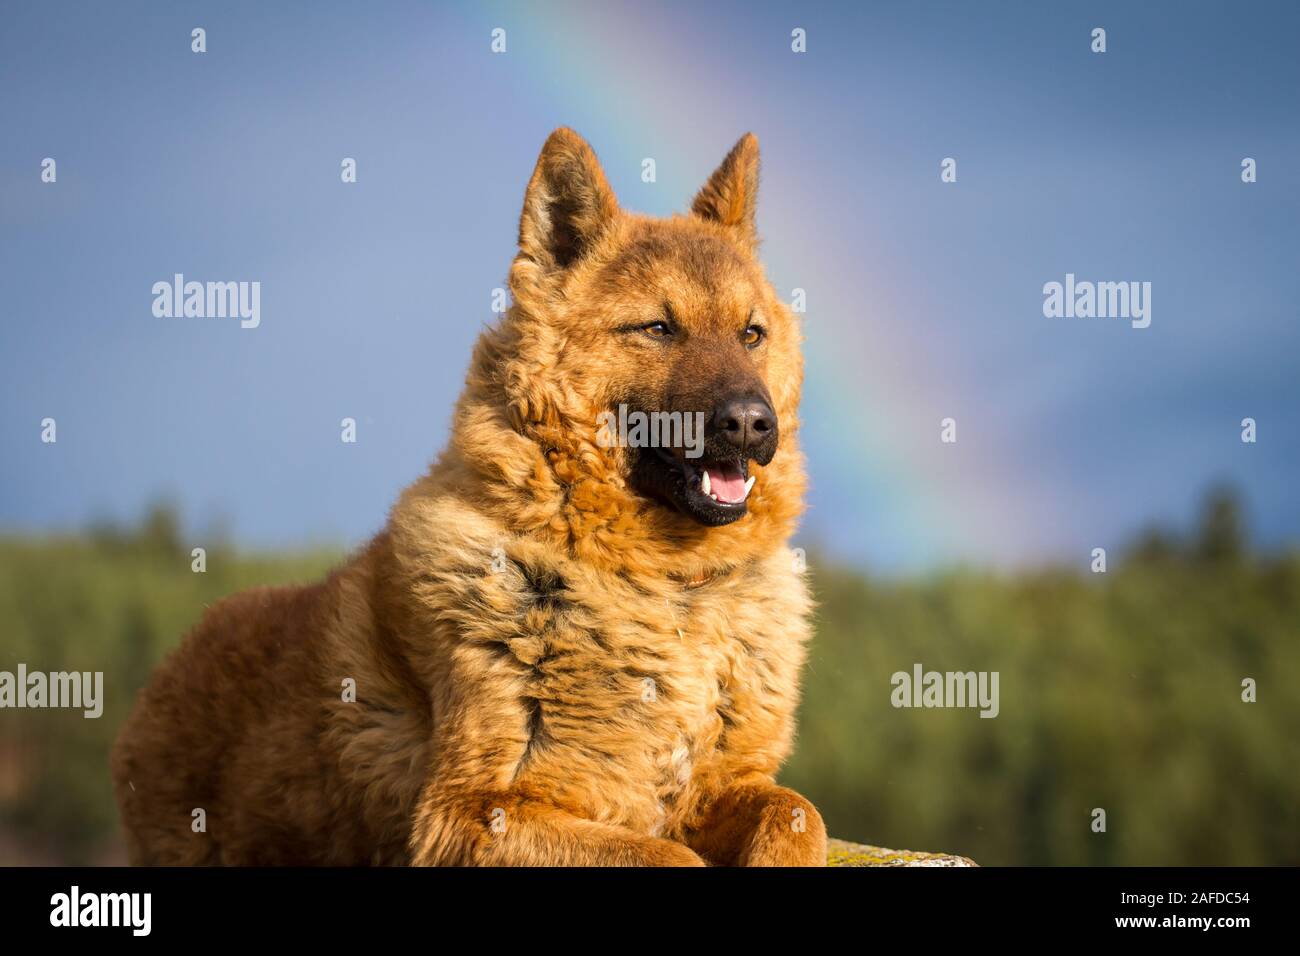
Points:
(652, 354)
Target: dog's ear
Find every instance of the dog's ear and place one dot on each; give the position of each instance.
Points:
(730, 196)
(567, 205)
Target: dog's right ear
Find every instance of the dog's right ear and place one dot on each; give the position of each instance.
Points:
(567, 205)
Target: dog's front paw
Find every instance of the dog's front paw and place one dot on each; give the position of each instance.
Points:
(790, 832)
(659, 852)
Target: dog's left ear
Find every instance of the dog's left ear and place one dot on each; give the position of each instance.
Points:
(730, 197)
(567, 205)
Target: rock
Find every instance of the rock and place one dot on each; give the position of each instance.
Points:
(844, 853)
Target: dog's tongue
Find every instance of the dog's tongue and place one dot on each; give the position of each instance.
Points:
(727, 482)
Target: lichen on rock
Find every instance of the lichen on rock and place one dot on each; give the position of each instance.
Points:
(844, 853)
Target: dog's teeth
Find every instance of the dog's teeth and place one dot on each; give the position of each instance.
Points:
(748, 485)
(714, 497)
(704, 482)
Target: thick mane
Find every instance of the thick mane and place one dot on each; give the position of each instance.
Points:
(525, 449)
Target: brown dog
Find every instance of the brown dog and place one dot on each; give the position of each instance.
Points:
(563, 649)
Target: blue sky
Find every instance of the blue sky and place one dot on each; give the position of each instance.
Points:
(924, 298)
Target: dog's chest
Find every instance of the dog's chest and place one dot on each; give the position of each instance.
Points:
(632, 698)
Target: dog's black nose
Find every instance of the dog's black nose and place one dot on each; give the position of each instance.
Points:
(744, 422)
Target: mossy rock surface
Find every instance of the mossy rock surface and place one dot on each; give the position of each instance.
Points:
(844, 853)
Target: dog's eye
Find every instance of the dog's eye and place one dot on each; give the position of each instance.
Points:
(658, 330)
(752, 336)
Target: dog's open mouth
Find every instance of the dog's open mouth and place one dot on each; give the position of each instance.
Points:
(713, 491)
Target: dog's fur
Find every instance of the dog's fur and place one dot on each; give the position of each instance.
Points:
(551, 666)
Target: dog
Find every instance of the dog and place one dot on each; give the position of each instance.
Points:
(562, 649)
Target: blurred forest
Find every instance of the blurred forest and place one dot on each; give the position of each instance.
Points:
(1120, 691)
